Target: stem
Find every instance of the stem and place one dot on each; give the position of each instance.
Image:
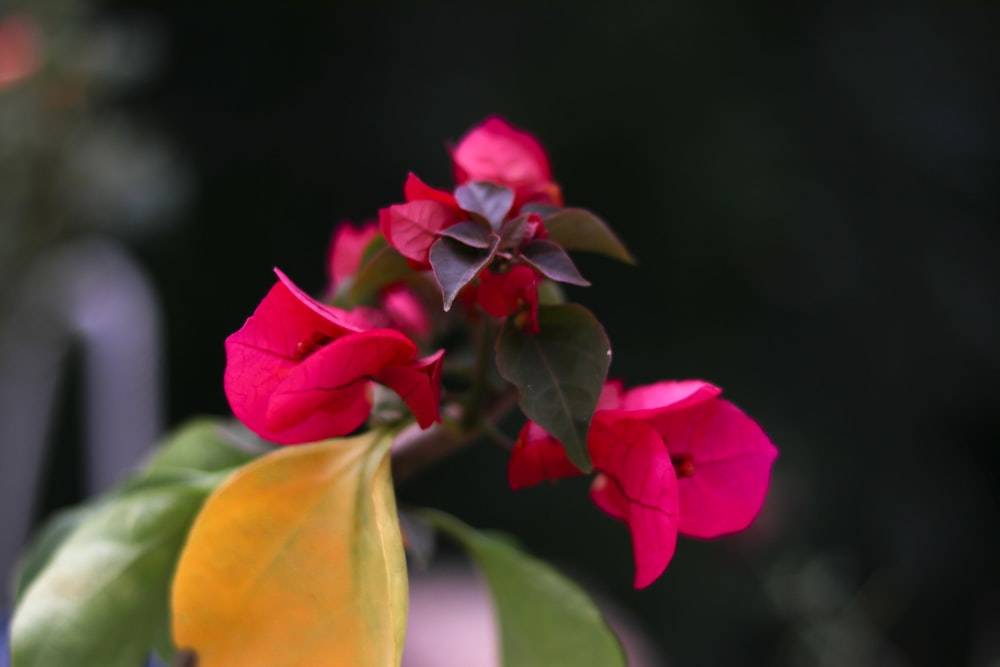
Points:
(415, 450)
(481, 378)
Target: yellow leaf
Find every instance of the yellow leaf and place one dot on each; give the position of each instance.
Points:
(297, 560)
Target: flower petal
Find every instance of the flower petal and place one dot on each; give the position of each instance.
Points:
(632, 456)
(346, 248)
(661, 398)
(411, 228)
(419, 385)
(416, 189)
(495, 151)
(537, 457)
(731, 458)
(315, 383)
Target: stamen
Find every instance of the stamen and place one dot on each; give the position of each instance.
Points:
(683, 465)
(310, 345)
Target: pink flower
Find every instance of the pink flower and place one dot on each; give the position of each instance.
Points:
(671, 457)
(399, 307)
(503, 294)
(498, 152)
(300, 371)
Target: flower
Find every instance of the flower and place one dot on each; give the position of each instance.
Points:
(300, 371)
(498, 152)
(672, 457)
(503, 294)
(20, 49)
(399, 306)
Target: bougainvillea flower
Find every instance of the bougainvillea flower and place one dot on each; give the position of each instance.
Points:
(707, 475)
(300, 371)
(497, 152)
(399, 307)
(503, 294)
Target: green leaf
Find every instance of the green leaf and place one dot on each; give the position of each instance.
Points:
(470, 232)
(43, 546)
(490, 201)
(560, 372)
(577, 229)
(545, 619)
(384, 268)
(206, 444)
(455, 265)
(552, 262)
(102, 598)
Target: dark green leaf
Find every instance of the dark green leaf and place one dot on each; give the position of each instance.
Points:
(470, 232)
(103, 596)
(577, 229)
(545, 619)
(544, 210)
(560, 372)
(455, 265)
(384, 268)
(490, 201)
(552, 262)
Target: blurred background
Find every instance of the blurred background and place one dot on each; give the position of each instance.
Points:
(811, 194)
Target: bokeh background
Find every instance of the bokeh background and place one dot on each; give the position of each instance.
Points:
(811, 193)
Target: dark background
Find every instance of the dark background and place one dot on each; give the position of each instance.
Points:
(811, 194)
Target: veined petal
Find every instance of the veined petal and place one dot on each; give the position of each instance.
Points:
(419, 385)
(731, 459)
(537, 457)
(496, 151)
(632, 456)
(411, 228)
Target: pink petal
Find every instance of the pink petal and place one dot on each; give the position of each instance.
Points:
(608, 496)
(406, 311)
(419, 385)
(537, 457)
(632, 456)
(346, 248)
(411, 228)
(611, 395)
(661, 398)
(495, 151)
(315, 384)
(731, 458)
(415, 189)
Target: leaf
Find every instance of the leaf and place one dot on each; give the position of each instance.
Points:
(470, 232)
(384, 268)
(553, 262)
(545, 619)
(103, 595)
(44, 545)
(577, 229)
(490, 201)
(513, 232)
(297, 560)
(560, 373)
(456, 265)
(206, 444)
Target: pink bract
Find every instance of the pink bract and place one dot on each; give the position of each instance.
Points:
(498, 152)
(300, 371)
(719, 460)
(346, 250)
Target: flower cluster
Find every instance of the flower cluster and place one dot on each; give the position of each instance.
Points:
(670, 458)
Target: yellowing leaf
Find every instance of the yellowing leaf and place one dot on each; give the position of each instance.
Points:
(297, 560)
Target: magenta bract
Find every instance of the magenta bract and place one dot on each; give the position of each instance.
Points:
(672, 457)
(300, 371)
